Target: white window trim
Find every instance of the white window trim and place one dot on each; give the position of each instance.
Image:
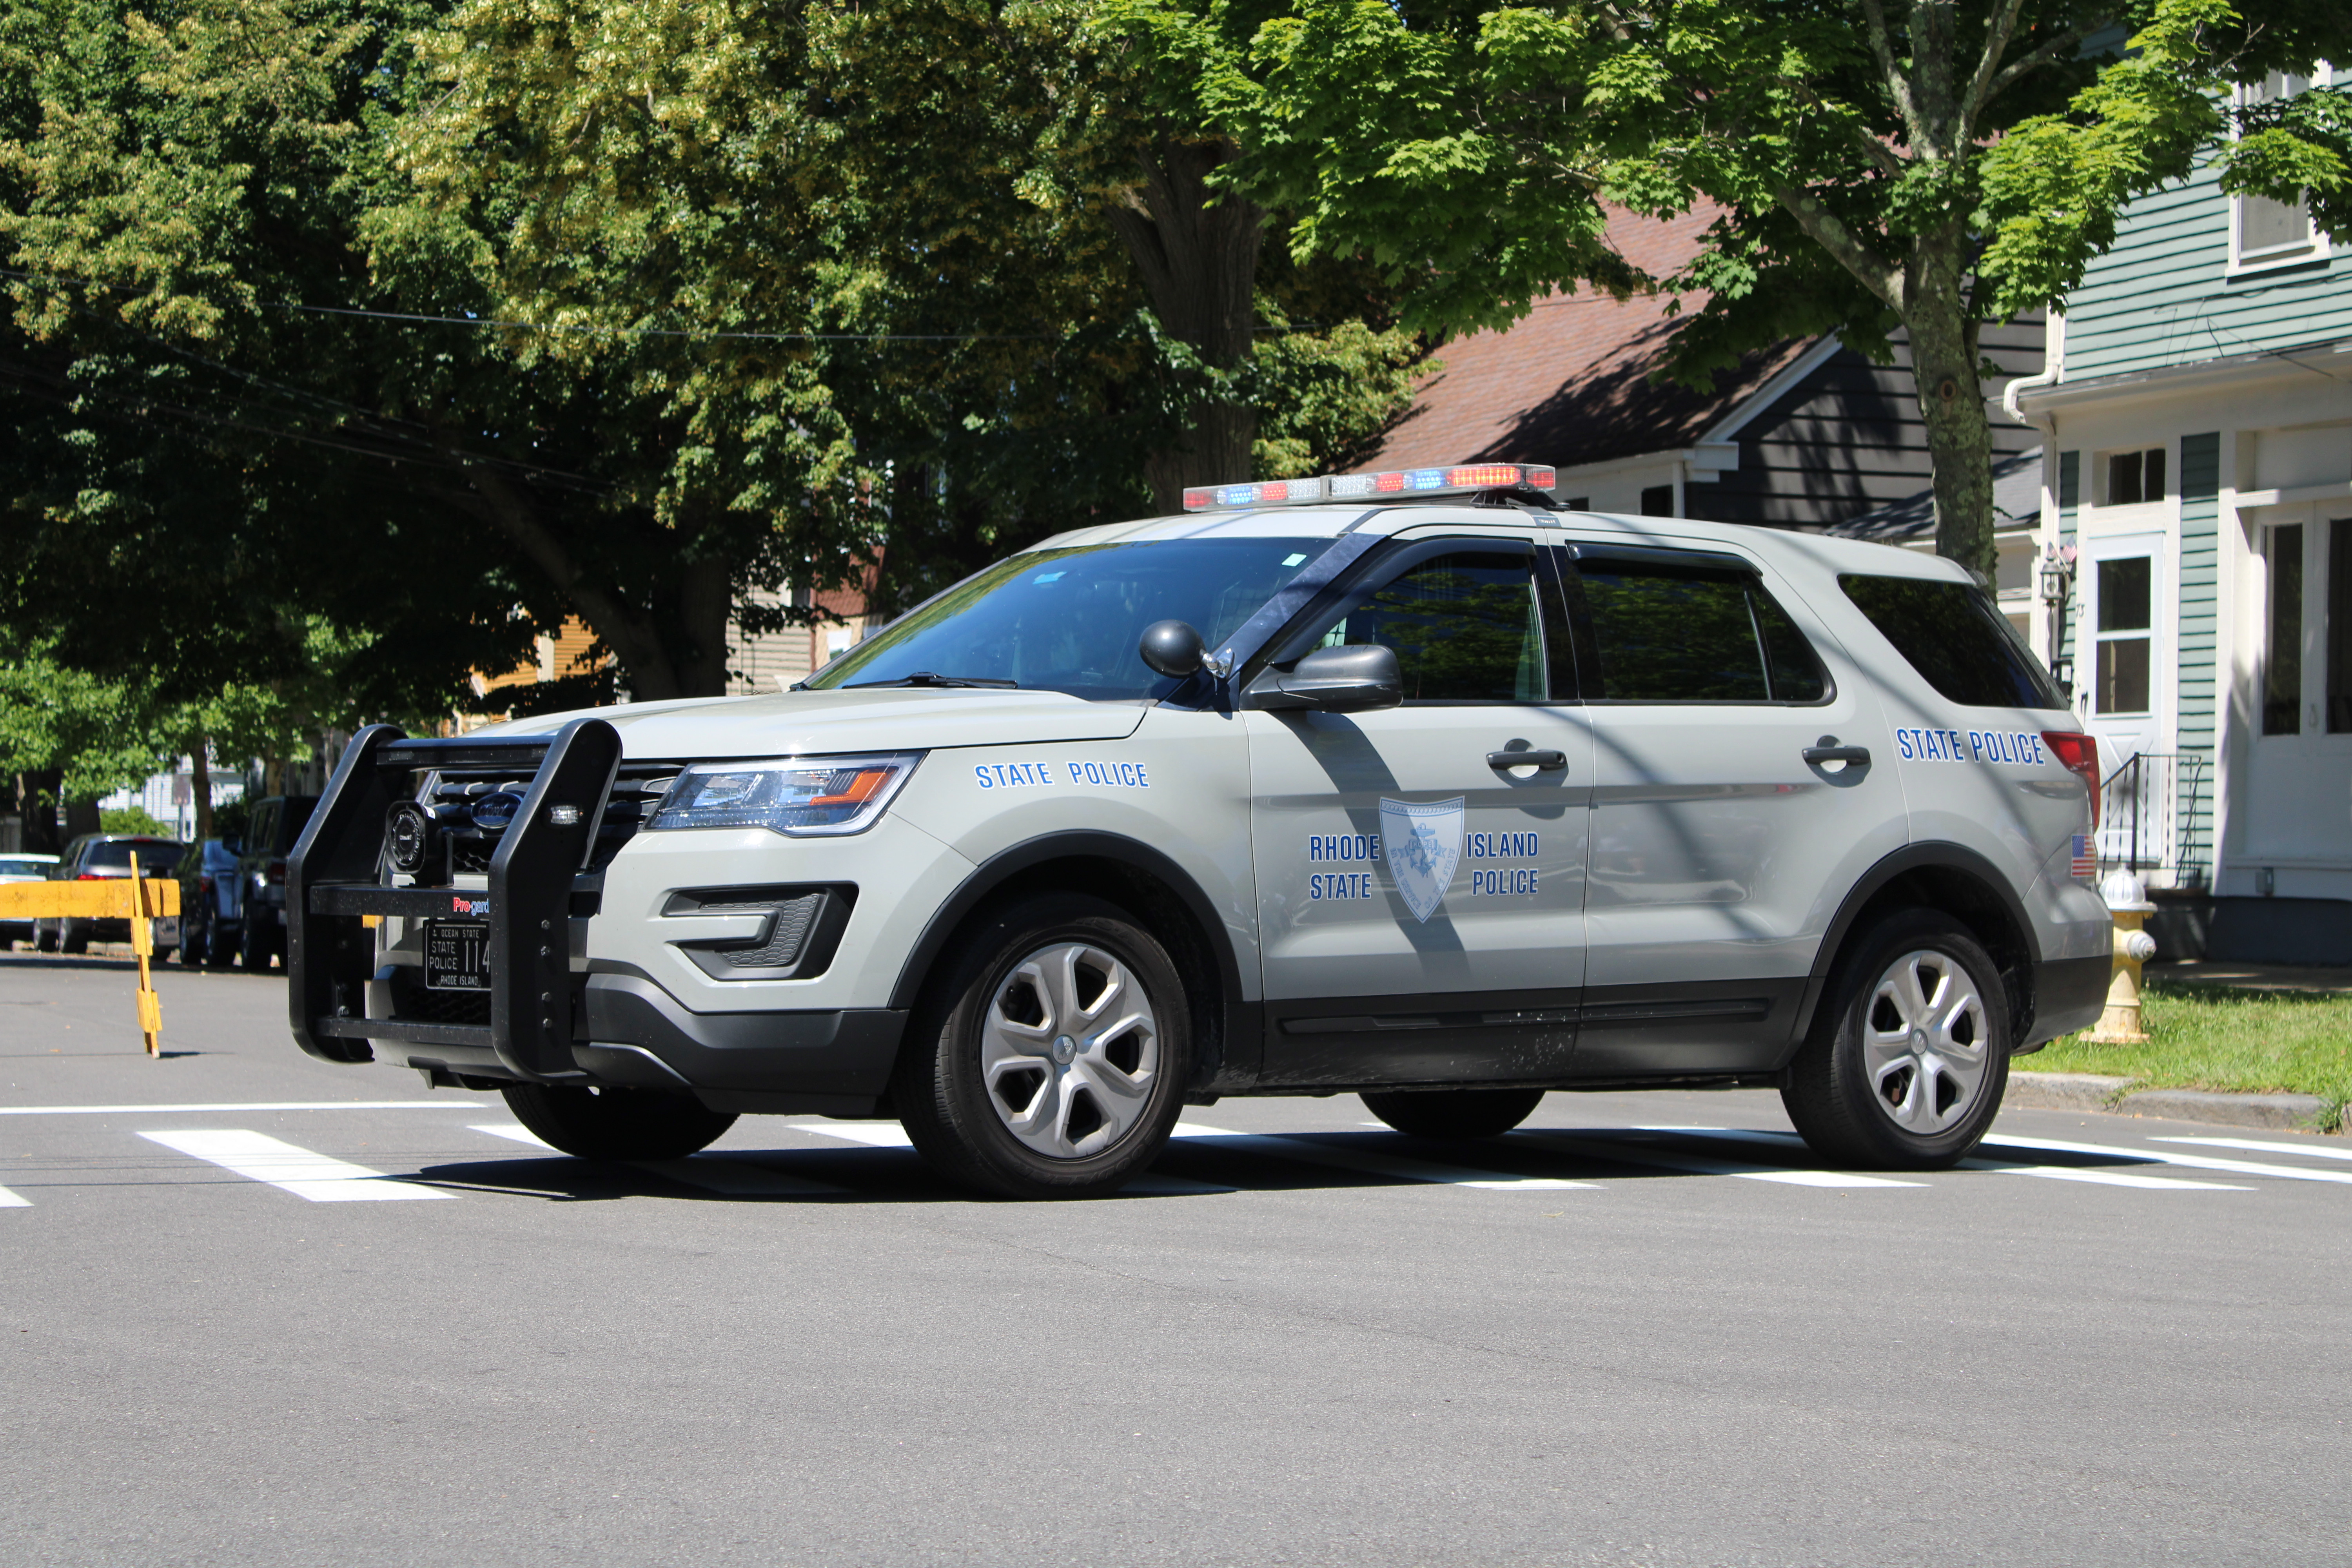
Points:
(2318, 247)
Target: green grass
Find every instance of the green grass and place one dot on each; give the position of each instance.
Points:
(2218, 1038)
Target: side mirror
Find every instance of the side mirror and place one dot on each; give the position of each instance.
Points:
(1334, 681)
(1172, 648)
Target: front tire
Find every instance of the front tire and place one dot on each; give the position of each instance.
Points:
(616, 1123)
(73, 936)
(45, 937)
(1049, 1058)
(1909, 1055)
(1454, 1113)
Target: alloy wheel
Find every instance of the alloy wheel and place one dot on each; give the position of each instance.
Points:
(1924, 1041)
(1069, 1050)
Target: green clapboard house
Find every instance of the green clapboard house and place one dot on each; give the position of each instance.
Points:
(2197, 400)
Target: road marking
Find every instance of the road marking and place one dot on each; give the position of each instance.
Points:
(2259, 1147)
(263, 1105)
(2195, 1162)
(9, 1200)
(1374, 1163)
(262, 1158)
(2098, 1178)
(1610, 1146)
(873, 1134)
(712, 1173)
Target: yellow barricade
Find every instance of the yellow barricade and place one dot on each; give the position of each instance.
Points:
(136, 899)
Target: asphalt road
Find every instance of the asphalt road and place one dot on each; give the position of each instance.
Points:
(1306, 1342)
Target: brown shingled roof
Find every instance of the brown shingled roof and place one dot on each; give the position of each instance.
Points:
(1570, 384)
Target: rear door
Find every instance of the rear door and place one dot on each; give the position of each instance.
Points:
(1420, 894)
(1724, 829)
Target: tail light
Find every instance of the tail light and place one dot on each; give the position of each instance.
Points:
(89, 877)
(2079, 755)
(203, 884)
(276, 872)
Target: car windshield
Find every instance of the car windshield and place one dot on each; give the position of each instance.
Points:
(156, 856)
(11, 867)
(1069, 620)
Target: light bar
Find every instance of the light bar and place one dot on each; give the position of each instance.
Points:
(1465, 479)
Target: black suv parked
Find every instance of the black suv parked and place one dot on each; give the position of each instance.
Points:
(260, 920)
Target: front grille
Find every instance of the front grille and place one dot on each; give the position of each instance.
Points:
(420, 1005)
(637, 790)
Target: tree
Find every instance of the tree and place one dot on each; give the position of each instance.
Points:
(1879, 167)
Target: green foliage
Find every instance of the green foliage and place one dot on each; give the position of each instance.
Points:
(134, 819)
(100, 735)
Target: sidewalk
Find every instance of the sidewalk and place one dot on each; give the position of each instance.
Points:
(2314, 978)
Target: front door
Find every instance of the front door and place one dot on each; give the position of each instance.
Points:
(1720, 848)
(2291, 817)
(1420, 894)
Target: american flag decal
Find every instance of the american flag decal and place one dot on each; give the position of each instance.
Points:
(2087, 859)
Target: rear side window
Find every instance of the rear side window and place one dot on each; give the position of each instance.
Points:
(1956, 639)
(1673, 634)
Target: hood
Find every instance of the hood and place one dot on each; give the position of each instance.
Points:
(884, 719)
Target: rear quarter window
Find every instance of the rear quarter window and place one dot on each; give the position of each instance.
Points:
(1956, 639)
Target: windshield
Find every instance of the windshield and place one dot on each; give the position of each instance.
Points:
(11, 866)
(1069, 620)
(154, 855)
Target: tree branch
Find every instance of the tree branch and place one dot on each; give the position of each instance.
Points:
(2027, 64)
(1997, 36)
(1829, 231)
(1898, 86)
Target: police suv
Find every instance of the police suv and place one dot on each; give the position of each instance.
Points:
(1407, 784)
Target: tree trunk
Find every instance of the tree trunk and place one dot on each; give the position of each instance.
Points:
(705, 599)
(81, 816)
(1199, 265)
(1951, 402)
(37, 797)
(200, 784)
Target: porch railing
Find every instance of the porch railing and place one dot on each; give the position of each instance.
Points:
(2147, 816)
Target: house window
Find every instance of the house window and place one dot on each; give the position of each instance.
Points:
(1658, 500)
(2133, 477)
(2266, 233)
(2283, 658)
(2125, 625)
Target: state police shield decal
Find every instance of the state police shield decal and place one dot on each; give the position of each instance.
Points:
(1422, 844)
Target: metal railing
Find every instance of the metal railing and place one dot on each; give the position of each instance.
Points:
(2147, 816)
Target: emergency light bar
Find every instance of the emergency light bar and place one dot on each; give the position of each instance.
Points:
(1459, 481)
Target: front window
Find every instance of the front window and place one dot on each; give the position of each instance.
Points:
(1069, 619)
(2283, 659)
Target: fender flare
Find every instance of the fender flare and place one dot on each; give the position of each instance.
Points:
(1238, 1035)
(1934, 855)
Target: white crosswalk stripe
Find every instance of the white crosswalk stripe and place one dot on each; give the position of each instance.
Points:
(9, 1200)
(712, 1173)
(1617, 1146)
(2259, 1146)
(1372, 1162)
(2194, 1161)
(873, 1134)
(2002, 1167)
(262, 1158)
(246, 1105)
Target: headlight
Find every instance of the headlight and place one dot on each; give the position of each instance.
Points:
(798, 795)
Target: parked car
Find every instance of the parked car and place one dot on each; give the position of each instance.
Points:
(22, 869)
(211, 914)
(275, 825)
(97, 856)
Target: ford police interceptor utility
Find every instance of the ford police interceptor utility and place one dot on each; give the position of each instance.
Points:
(1408, 784)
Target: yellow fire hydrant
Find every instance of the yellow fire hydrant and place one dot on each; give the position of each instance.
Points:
(2127, 903)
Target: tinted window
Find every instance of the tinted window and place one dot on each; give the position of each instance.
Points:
(155, 857)
(1952, 635)
(1668, 634)
(1069, 620)
(9, 867)
(1465, 627)
(293, 818)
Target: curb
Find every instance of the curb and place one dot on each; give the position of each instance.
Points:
(2113, 1096)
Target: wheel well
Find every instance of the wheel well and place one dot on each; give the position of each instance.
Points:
(1156, 906)
(1968, 899)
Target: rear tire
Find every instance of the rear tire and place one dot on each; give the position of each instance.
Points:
(1049, 1056)
(252, 949)
(73, 936)
(196, 940)
(1454, 1113)
(1908, 1056)
(45, 937)
(616, 1123)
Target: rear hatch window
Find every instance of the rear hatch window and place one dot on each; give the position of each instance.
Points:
(155, 857)
(1956, 639)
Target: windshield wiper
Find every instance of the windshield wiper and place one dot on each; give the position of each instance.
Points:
(924, 678)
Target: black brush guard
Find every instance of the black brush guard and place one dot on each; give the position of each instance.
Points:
(334, 879)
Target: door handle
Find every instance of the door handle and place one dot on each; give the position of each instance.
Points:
(1830, 752)
(1542, 761)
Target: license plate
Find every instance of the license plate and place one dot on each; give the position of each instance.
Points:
(457, 955)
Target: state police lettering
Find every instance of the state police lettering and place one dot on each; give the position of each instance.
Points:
(2010, 748)
(1339, 885)
(1013, 775)
(1025, 775)
(1499, 847)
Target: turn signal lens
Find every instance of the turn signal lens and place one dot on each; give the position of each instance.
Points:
(2079, 755)
(796, 795)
